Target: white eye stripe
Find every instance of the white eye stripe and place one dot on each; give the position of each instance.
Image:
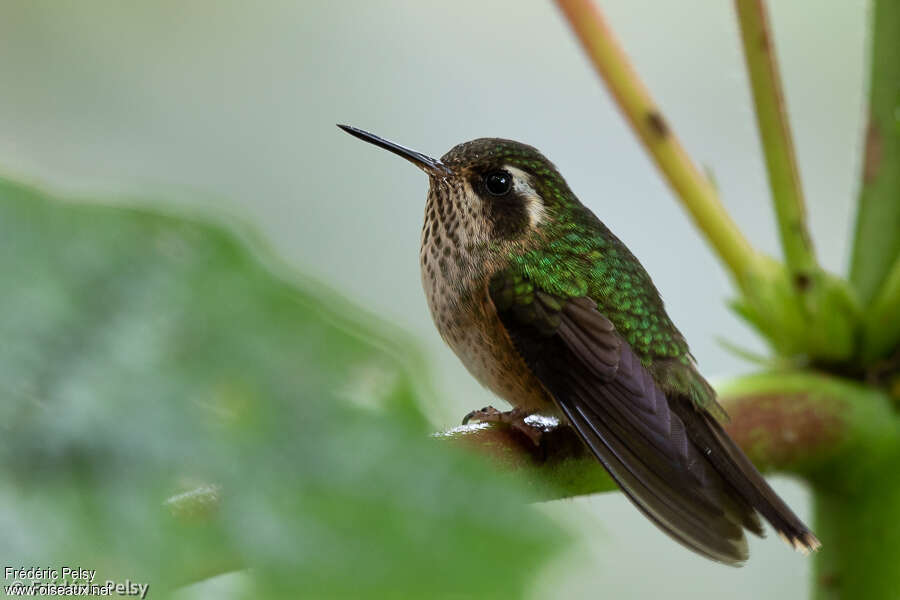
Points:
(523, 187)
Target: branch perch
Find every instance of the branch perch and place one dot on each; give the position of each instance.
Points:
(793, 423)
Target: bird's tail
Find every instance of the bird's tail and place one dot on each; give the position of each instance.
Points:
(745, 480)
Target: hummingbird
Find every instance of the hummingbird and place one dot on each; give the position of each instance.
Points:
(548, 309)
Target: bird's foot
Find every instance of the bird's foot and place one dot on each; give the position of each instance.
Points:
(514, 419)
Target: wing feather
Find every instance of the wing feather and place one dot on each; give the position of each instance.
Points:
(670, 460)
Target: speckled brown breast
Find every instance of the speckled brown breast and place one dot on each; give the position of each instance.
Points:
(455, 277)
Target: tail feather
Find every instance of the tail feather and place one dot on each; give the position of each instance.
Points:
(743, 477)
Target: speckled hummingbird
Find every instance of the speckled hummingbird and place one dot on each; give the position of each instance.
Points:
(549, 310)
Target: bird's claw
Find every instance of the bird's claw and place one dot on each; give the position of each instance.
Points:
(514, 418)
(488, 414)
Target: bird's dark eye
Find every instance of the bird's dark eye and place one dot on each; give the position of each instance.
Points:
(498, 183)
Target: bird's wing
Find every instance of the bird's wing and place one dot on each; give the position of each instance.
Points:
(621, 414)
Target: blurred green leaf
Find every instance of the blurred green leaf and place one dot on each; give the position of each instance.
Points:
(145, 355)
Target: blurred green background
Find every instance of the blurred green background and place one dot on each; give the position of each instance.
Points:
(228, 109)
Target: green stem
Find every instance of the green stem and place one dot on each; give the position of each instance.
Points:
(877, 241)
(694, 190)
(858, 525)
(882, 323)
(778, 147)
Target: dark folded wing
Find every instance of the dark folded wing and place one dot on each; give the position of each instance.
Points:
(621, 414)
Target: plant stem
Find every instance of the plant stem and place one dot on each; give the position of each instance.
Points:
(694, 190)
(858, 526)
(881, 333)
(876, 246)
(775, 134)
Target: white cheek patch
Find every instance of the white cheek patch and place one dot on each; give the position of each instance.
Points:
(533, 203)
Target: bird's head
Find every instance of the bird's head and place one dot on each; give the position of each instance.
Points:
(488, 191)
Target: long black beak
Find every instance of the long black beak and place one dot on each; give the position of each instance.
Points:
(432, 166)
